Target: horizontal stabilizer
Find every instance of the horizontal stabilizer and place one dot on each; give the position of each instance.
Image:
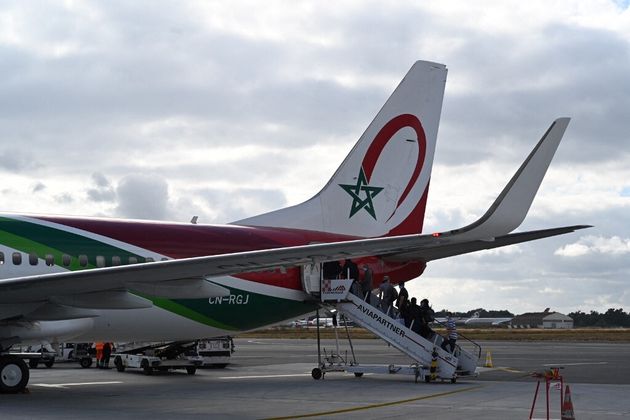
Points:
(450, 249)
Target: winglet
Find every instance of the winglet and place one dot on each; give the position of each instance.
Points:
(511, 206)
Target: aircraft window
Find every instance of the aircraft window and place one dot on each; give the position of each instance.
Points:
(163, 259)
(83, 260)
(66, 260)
(1, 258)
(32, 258)
(115, 260)
(148, 259)
(50, 260)
(17, 258)
(133, 260)
(100, 261)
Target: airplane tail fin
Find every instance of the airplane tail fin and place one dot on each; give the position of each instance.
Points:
(381, 187)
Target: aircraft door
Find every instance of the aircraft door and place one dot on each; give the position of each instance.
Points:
(311, 275)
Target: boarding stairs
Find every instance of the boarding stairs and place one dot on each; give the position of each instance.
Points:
(432, 362)
(426, 352)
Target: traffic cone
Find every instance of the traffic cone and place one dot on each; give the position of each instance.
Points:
(567, 406)
(488, 360)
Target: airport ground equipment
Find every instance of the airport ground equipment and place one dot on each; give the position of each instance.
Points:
(549, 376)
(34, 358)
(431, 362)
(160, 357)
(81, 353)
(214, 352)
(14, 370)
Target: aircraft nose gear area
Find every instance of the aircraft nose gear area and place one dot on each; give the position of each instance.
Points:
(14, 374)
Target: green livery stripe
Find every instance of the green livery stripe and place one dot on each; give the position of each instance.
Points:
(28, 246)
(46, 240)
(183, 310)
(240, 311)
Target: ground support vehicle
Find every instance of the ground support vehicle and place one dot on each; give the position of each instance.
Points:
(160, 357)
(214, 352)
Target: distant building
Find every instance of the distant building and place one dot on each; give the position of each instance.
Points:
(545, 319)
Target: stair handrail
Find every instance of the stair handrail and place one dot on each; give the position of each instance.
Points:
(459, 334)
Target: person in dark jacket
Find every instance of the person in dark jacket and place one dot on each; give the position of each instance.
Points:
(107, 352)
(426, 317)
(402, 302)
(331, 270)
(414, 316)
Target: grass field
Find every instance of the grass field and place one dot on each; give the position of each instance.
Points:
(498, 334)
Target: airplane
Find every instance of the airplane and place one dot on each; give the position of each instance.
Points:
(65, 279)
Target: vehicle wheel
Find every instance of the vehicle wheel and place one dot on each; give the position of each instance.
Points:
(453, 380)
(32, 363)
(358, 374)
(120, 367)
(49, 363)
(148, 370)
(427, 379)
(14, 374)
(191, 370)
(86, 362)
(316, 373)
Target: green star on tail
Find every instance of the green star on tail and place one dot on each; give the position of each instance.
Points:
(359, 203)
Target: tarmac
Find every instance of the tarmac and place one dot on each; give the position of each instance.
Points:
(271, 378)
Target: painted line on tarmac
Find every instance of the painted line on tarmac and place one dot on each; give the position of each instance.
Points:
(503, 369)
(264, 376)
(576, 364)
(371, 406)
(76, 384)
(511, 370)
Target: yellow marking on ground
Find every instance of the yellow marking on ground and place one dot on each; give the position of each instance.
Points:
(511, 370)
(371, 406)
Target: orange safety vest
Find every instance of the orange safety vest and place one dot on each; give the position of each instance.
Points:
(99, 350)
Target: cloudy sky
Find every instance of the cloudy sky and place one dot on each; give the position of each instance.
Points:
(169, 109)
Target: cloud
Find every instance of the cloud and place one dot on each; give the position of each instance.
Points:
(596, 245)
(103, 191)
(16, 160)
(39, 186)
(143, 196)
(230, 205)
(227, 110)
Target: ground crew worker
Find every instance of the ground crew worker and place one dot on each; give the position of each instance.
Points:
(107, 352)
(99, 353)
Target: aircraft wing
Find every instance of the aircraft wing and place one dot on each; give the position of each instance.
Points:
(184, 273)
(192, 277)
